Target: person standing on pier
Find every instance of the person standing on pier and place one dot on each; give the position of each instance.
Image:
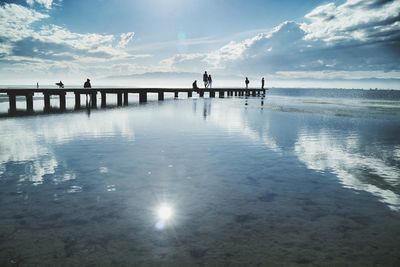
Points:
(262, 83)
(205, 79)
(37, 85)
(209, 81)
(247, 83)
(87, 85)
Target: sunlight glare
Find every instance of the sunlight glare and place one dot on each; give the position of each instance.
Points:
(164, 212)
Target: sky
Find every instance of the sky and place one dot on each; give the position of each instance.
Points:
(313, 42)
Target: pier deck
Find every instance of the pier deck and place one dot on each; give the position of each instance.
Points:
(122, 95)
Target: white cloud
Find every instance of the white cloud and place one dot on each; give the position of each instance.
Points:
(45, 3)
(356, 36)
(125, 38)
(361, 20)
(359, 35)
(27, 39)
(16, 21)
(188, 62)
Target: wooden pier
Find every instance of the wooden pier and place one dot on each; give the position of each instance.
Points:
(122, 95)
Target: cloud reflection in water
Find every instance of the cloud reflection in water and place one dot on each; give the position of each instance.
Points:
(27, 141)
(325, 152)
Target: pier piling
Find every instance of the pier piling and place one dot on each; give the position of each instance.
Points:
(160, 96)
(103, 99)
(119, 99)
(126, 98)
(142, 97)
(13, 103)
(62, 101)
(29, 102)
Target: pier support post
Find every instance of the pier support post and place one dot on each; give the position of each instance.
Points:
(236, 93)
(93, 99)
(119, 99)
(253, 93)
(201, 93)
(77, 100)
(212, 94)
(190, 94)
(160, 96)
(176, 94)
(13, 103)
(103, 99)
(125, 98)
(142, 97)
(46, 102)
(62, 101)
(221, 94)
(29, 102)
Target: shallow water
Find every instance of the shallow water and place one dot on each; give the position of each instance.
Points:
(303, 179)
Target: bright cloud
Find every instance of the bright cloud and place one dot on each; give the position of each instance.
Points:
(125, 39)
(361, 20)
(27, 40)
(359, 35)
(45, 3)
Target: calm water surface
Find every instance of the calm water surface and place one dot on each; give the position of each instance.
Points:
(306, 179)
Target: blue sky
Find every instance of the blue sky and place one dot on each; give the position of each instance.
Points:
(282, 40)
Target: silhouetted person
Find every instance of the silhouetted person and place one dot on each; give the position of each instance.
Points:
(205, 79)
(87, 85)
(60, 84)
(194, 85)
(37, 85)
(209, 81)
(247, 83)
(262, 83)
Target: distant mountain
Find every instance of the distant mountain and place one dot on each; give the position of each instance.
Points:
(167, 75)
(157, 75)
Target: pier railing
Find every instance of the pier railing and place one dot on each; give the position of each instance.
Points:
(122, 95)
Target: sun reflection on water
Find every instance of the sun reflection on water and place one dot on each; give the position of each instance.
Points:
(164, 215)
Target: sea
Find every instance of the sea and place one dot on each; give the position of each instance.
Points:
(300, 177)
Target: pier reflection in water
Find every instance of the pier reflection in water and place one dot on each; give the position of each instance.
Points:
(202, 182)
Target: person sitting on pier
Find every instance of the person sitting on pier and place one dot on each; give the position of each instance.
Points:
(194, 85)
(205, 79)
(60, 84)
(87, 84)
